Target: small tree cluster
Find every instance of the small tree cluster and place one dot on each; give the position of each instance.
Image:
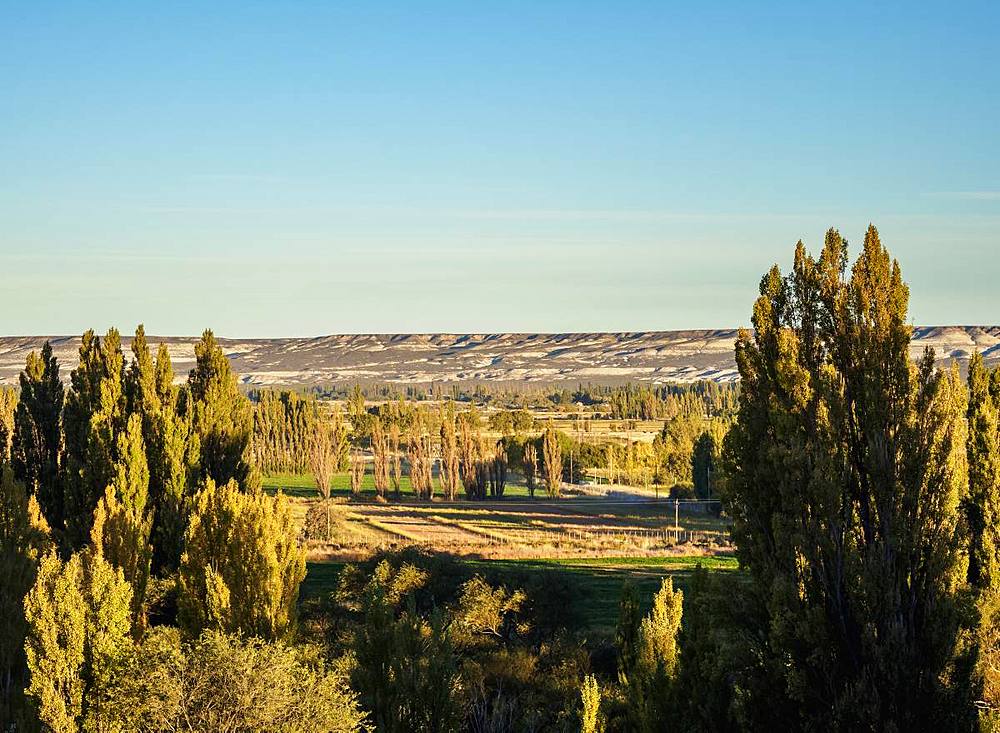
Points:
(475, 461)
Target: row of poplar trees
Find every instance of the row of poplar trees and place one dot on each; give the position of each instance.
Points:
(285, 425)
(466, 458)
(121, 482)
(124, 433)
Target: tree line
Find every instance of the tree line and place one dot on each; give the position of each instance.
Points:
(630, 401)
(292, 435)
(142, 564)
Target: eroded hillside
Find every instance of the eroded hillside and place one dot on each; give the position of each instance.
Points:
(652, 356)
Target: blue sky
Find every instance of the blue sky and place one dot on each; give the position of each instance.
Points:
(297, 168)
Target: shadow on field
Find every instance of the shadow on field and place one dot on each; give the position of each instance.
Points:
(583, 592)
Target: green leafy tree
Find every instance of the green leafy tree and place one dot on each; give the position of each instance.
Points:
(78, 615)
(723, 681)
(705, 465)
(627, 631)
(982, 509)
(8, 406)
(648, 656)
(844, 474)
(123, 522)
(407, 671)
(674, 447)
(450, 467)
(56, 613)
(24, 540)
(657, 644)
(529, 467)
(284, 425)
(108, 640)
(487, 611)
(357, 413)
(172, 452)
(36, 444)
(174, 467)
(590, 700)
(242, 565)
(94, 415)
(222, 418)
(224, 683)
(656, 659)
(552, 460)
(983, 502)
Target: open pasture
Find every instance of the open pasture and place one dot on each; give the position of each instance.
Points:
(523, 529)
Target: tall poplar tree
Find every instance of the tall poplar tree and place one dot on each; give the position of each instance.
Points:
(37, 441)
(450, 467)
(94, 415)
(174, 469)
(983, 504)
(983, 514)
(845, 472)
(171, 452)
(552, 460)
(380, 457)
(8, 406)
(704, 457)
(222, 418)
(123, 519)
(24, 539)
(56, 614)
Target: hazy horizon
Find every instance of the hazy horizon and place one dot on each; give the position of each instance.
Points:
(311, 170)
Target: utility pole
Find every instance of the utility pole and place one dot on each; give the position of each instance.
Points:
(677, 519)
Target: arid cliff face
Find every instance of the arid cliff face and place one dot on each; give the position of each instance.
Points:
(651, 356)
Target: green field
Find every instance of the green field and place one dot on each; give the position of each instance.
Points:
(304, 486)
(598, 581)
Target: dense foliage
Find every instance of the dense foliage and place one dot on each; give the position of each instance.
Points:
(284, 429)
(846, 476)
(105, 490)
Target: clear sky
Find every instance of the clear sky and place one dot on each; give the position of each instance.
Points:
(303, 168)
